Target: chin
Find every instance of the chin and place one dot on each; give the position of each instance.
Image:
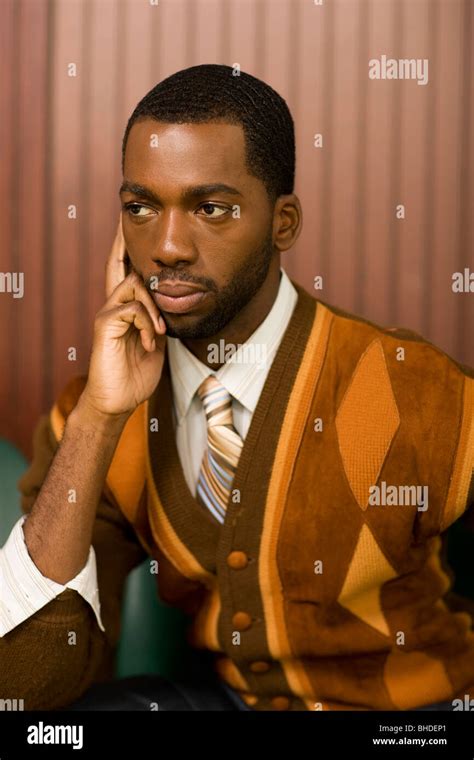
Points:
(197, 328)
(183, 326)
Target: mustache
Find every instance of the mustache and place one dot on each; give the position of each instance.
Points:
(152, 282)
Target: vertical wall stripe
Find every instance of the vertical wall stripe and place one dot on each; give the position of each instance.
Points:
(361, 157)
(29, 200)
(465, 257)
(86, 82)
(190, 35)
(224, 38)
(6, 223)
(46, 374)
(430, 176)
(394, 168)
(155, 45)
(260, 37)
(327, 125)
(120, 64)
(17, 166)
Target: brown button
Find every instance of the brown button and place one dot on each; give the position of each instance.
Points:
(259, 666)
(237, 560)
(280, 703)
(241, 621)
(250, 699)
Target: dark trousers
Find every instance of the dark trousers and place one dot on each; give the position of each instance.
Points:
(152, 692)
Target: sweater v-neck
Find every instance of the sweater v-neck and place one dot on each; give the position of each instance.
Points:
(193, 523)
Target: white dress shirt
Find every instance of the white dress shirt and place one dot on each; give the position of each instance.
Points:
(23, 589)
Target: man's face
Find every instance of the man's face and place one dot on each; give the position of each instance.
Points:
(219, 239)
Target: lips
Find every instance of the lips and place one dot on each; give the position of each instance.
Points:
(177, 289)
(177, 298)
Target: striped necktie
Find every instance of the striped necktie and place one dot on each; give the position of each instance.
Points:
(224, 445)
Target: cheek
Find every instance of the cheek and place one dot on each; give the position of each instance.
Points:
(133, 262)
(137, 248)
(239, 243)
(240, 237)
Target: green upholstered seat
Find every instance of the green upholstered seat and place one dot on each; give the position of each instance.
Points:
(12, 466)
(153, 634)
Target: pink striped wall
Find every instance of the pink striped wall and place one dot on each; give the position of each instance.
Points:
(384, 143)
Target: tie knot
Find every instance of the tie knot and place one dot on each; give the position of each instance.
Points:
(216, 400)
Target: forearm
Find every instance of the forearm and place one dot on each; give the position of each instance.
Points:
(58, 530)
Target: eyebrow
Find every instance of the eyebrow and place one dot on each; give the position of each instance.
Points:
(190, 192)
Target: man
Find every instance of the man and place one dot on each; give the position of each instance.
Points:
(294, 503)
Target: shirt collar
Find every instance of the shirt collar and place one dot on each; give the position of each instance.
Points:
(244, 376)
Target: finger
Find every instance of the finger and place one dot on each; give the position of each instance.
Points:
(115, 268)
(133, 289)
(134, 313)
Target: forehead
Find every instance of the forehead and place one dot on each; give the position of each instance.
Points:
(183, 153)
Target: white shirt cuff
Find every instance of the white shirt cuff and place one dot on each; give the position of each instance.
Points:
(24, 590)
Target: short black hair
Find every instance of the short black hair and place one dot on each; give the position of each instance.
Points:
(213, 92)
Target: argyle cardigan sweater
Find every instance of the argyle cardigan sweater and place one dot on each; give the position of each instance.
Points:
(312, 595)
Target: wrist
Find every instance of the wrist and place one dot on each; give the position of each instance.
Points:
(86, 416)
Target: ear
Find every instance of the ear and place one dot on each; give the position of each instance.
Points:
(287, 221)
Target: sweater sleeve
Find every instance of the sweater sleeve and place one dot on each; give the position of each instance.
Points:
(460, 494)
(52, 658)
(24, 589)
(448, 459)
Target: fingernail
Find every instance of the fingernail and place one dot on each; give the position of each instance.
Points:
(161, 323)
(153, 344)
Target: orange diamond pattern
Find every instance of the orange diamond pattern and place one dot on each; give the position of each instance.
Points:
(366, 422)
(369, 569)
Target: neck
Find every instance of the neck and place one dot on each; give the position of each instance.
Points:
(244, 324)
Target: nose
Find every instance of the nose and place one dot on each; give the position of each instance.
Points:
(173, 244)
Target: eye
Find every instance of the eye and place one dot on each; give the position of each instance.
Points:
(213, 207)
(132, 207)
